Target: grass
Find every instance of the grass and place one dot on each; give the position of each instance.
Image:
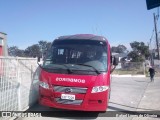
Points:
(125, 72)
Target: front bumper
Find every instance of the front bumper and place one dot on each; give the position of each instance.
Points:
(90, 101)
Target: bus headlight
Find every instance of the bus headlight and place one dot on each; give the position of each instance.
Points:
(44, 85)
(99, 89)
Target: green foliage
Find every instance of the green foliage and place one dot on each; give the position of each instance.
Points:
(119, 49)
(135, 56)
(139, 51)
(15, 51)
(44, 46)
(34, 50)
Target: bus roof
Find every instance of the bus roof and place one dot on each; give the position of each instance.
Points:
(82, 37)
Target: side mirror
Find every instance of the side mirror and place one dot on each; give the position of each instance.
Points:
(115, 61)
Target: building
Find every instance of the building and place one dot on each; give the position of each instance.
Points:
(3, 44)
(120, 56)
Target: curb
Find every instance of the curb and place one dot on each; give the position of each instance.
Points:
(128, 75)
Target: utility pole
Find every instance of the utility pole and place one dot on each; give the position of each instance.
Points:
(157, 42)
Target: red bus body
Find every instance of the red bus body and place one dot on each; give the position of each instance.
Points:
(76, 88)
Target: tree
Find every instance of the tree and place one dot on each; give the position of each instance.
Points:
(119, 49)
(44, 46)
(33, 51)
(139, 51)
(15, 51)
(135, 57)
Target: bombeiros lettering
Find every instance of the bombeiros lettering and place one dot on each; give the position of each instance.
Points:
(71, 80)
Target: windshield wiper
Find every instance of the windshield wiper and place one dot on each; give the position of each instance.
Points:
(68, 70)
(97, 71)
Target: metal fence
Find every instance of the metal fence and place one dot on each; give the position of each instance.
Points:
(18, 83)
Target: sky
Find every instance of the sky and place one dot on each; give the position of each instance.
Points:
(121, 21)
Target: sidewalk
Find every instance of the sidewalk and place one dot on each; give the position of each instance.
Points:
(151, 98)
(127, 75)
(150, 101)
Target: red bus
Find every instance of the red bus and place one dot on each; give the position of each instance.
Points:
(75, 74)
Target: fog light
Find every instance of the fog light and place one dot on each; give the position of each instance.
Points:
(99, 101)
(44, 85)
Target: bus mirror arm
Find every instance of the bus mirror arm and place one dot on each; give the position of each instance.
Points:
(112, 68)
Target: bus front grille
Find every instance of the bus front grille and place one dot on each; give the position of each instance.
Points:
(68, 90)
(71, 102)
(72, 89)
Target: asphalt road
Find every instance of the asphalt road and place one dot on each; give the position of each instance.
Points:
(128, 94)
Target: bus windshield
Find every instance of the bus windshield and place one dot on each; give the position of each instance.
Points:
(77, 55)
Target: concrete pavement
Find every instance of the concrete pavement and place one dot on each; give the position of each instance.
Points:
(128, 94)
(151, 97)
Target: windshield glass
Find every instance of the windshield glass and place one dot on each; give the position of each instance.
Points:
(77, 55)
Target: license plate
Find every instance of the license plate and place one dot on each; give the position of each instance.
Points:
(67, 97)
